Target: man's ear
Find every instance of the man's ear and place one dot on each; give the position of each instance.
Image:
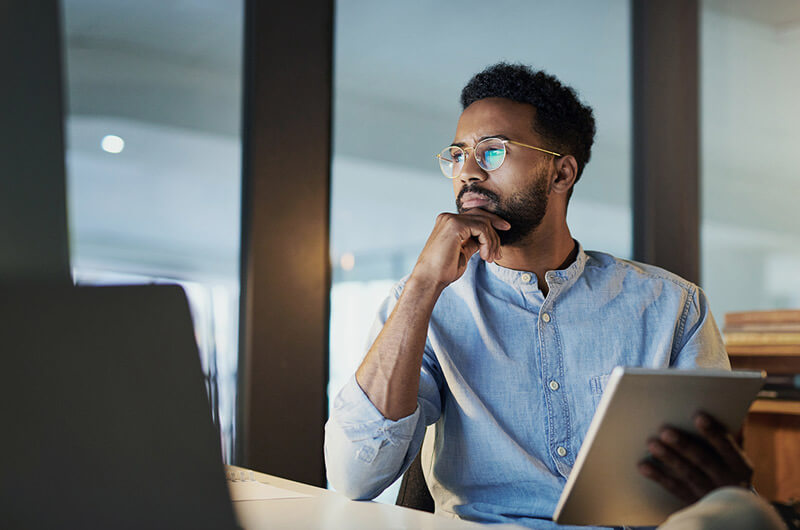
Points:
(566, 173)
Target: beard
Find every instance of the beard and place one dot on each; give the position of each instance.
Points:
(524, 210)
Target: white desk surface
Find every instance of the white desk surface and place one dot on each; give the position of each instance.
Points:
(328, 510)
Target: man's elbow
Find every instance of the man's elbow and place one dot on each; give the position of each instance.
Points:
(354, 488)
(346, 475)
(354, 492)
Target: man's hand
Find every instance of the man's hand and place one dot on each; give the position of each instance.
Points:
(690, 466)
(455, 238)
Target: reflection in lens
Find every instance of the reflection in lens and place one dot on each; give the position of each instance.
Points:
(446, 162)
(493, 158)
(451, 159)
(446, 166)
(491, 154)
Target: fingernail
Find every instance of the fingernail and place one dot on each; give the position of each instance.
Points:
(669, 436)
(701, 419)
(655, 448)
(645, 469)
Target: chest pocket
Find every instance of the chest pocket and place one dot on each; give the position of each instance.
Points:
(597, 386)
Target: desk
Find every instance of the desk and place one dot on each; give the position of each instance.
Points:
(328, 510)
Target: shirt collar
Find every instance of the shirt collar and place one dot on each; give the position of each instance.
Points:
(557, 280)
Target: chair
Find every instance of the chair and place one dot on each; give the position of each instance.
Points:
(414, 491)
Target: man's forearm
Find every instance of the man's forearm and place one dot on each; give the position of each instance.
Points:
(389, 374)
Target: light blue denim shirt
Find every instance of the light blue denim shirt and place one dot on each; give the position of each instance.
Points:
(512, 379)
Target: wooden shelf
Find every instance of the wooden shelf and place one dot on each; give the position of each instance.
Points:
(775, 406)
(771, 432)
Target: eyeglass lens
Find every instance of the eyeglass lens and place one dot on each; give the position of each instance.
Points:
(489, 154)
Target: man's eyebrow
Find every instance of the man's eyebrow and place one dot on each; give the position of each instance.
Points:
(482, 138)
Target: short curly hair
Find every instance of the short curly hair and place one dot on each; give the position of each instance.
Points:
(561, 119)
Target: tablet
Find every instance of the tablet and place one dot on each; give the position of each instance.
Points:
(605, 487)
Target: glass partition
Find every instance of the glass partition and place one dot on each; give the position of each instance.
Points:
(750, 224)
(153, 161)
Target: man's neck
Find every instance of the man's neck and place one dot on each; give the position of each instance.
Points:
(541, 251)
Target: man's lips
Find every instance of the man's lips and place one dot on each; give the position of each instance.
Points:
(474, 200)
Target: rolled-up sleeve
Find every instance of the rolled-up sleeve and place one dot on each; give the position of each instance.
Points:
(366, 452)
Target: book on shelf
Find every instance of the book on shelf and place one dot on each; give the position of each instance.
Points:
(766, 318)
(772, 381)
(784, 394)
(781, 386)
(765, 327)
(747, 338)
(763, 333)
(758, 350)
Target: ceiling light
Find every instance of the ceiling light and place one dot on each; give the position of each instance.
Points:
(112, 144)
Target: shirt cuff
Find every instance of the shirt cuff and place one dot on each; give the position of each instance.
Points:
(360, 420)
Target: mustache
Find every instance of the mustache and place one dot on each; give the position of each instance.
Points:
(472, 188)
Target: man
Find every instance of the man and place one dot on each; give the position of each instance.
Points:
(506, 331)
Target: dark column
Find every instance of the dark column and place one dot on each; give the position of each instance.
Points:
(33, 213)
(666, 191)
(285, 265)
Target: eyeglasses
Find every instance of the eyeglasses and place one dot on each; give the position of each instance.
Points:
(489, 153)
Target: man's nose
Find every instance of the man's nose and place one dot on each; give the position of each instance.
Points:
(472, 172)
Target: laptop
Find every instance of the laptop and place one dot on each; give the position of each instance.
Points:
(106, 422)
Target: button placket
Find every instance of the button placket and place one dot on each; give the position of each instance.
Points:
(559, 438)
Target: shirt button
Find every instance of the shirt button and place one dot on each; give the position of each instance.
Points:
(526, 278)
(546, 318)
(553, 385)
(561, 451)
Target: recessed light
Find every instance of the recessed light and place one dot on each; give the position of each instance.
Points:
(112, 144)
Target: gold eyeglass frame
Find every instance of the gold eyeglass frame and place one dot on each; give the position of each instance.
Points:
(503, 140)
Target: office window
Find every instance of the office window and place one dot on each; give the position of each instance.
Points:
(750, 111)
(396, 104)
(153, 161)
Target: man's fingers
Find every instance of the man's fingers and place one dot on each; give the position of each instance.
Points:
(478, 226)
(689, 465)
(676, 465)
(496, 220)
(485, 241)
(470, 246)
(501, 224)
(697, 453)
(739, 470)
(487, 238)
(469, 230)
(677, 488)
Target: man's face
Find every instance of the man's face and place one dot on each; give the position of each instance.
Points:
(519, 189)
